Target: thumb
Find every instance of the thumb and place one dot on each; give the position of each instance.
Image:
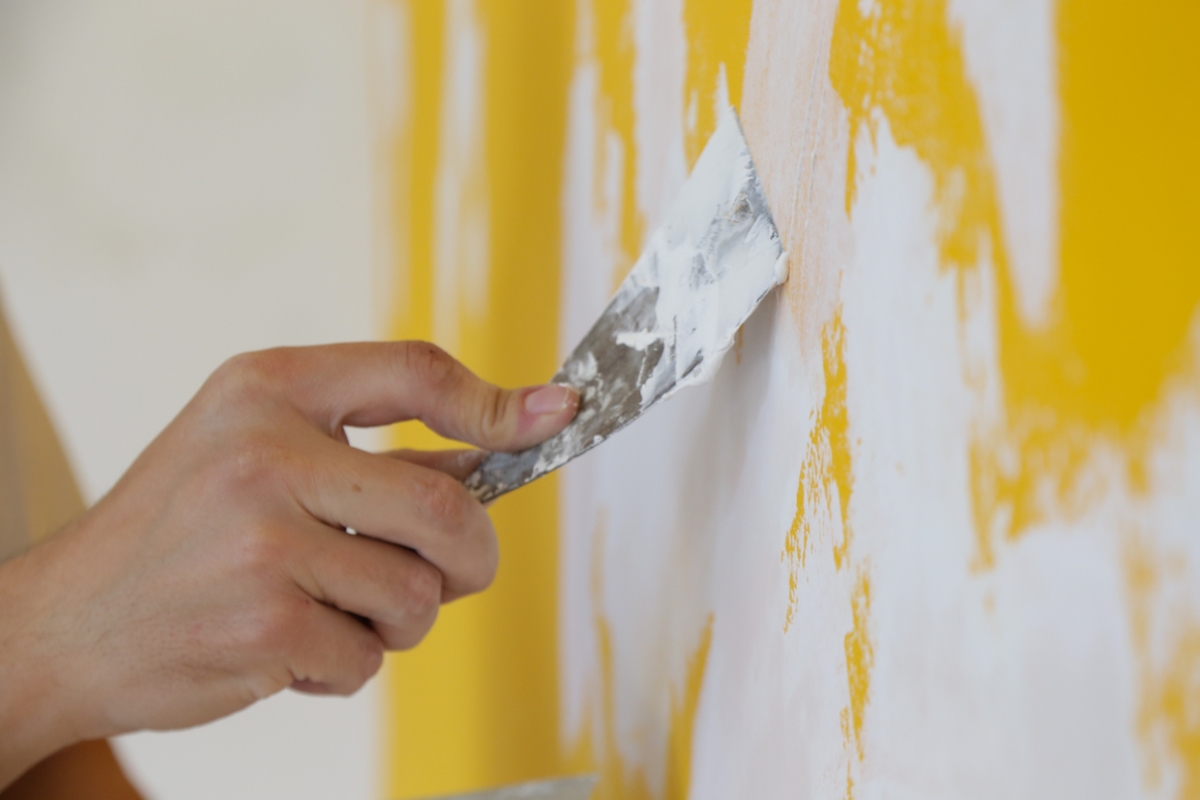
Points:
(377, 383)
(505, 420)
(460, 405)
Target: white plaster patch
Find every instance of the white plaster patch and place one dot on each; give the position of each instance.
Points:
(660, 61)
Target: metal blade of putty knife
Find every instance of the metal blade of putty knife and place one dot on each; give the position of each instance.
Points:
(577, 788)
(716, 256)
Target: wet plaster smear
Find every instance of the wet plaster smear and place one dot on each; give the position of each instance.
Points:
(932, 530)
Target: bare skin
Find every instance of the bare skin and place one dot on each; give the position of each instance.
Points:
(218, 571)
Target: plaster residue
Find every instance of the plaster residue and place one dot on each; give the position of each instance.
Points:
(1166, 640)
(860, 658)
(826, 474)
(599, 748)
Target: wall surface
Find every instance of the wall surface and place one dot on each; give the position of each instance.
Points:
(932, 531)
(478, 131)
(181, 181)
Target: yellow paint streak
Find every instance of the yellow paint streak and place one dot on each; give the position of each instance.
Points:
(489, 668)
(860, 658)
(613, 50)
(684, 706)
(1129, 171)
(717, 34)
(617, 780)
(1168, 718)
(827, 470)
(837, 423)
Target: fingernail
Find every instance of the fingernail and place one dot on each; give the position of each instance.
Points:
(550, 399)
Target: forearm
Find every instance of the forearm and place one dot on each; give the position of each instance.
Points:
(34, 718)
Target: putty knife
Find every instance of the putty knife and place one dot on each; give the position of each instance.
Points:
(716, 256)
(578, 788)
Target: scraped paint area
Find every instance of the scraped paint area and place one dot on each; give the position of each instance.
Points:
(932, 531)
(826, 474)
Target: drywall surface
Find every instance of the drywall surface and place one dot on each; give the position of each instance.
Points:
(931, 531)
(181, 181)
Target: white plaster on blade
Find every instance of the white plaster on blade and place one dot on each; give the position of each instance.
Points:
(710, 273)
(659, 71)
(781, 268)
(704, 272)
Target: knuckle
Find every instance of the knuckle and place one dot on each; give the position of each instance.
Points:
(422, 591)
(493, 421)
(262, 685)
(486, 564)
(370, 659)
(275, 625)
(428, 363)
(248, 374)
(476, 560)
(466, 527)
(251, 461)
(262, 551)
(412, 633)
(447, 501)
(252, 456)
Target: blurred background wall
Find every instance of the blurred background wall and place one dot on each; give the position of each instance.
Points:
(181, 181)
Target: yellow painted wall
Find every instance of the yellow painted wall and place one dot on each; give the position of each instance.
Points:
(825, 88)
(476, 704)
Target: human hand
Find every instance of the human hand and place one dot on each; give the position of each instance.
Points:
(218, 571)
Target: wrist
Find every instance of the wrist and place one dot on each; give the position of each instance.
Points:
(35, 718)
